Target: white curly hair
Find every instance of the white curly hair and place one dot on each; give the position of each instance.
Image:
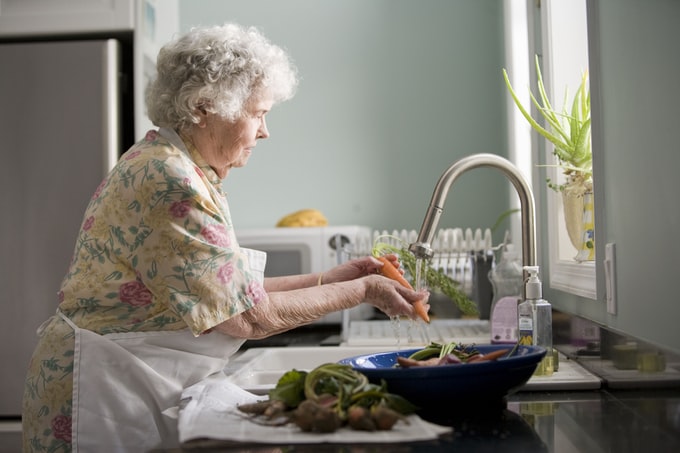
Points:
(219, 69)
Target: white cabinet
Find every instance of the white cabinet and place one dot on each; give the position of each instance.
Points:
(151, 22)
(38, 17)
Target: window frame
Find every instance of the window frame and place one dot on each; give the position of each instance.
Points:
(554, 17)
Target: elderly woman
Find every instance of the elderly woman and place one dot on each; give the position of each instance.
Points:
(159, 294)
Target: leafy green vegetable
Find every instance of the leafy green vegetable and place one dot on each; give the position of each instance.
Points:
(290, 388)
(462, 351)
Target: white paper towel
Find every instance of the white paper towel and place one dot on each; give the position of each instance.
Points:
(209, 411)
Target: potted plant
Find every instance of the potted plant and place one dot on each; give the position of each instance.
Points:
(569, 132)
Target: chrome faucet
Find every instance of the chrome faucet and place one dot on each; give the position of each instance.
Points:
(422, 247)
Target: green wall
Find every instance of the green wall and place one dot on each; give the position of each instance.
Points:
(392, 92)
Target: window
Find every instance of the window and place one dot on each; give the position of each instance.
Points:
(565, 57)
(561, 42)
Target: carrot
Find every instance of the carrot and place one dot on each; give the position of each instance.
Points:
(388, 270)
(407, 362)
(493, 355)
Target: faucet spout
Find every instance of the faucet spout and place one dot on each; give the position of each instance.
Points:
(422, 247)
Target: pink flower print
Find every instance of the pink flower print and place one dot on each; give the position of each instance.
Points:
(135, 293)
(99, 189)
(88, 223)
(225, 273)
(61, 427)
(151, 135)
(256, 291)
(199, 172)
(60, 296)
(133, 154)
(180, 209)
(186, 182)
(216, 235)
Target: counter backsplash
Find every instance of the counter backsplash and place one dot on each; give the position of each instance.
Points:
(620, 360)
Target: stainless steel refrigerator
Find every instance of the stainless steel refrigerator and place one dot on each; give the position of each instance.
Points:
(63, 110)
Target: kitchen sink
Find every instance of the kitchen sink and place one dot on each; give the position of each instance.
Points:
(257, 370)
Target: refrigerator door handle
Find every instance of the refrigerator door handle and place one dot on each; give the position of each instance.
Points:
(111, 101)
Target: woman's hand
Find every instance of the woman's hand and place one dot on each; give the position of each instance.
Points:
(392, 298)
(358, 268)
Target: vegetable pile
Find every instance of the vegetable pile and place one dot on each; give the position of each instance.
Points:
(449, 354)
(327, 398)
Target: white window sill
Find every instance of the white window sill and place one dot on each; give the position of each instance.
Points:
(574, 278)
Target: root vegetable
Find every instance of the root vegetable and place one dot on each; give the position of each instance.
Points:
(275, 409)
(493, 355)
(359, 418)
(406, 362)
(450, 359)
(384, 417)
(257, 408)
(313, 417)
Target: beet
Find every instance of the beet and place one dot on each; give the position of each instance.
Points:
(359, 418)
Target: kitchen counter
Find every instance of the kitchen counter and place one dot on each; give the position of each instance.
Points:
(555, 422)
(610, 418)
(613, 418)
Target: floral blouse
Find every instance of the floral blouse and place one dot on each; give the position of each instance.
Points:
(156, 251)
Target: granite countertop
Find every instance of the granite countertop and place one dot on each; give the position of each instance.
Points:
(555, 422)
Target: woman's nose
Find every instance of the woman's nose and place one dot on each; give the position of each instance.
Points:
(262, 132)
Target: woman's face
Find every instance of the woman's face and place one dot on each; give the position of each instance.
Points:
(227, 144)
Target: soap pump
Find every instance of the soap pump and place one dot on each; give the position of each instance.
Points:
(535, 321)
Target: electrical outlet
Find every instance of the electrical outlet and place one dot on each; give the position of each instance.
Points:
(610, 277)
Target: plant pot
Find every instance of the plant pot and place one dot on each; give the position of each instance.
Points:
(587, 249)
(577, 200)
(572, 204)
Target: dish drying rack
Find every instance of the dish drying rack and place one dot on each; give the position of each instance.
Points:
(466, 256)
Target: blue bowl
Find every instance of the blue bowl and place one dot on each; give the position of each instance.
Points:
(436, 387)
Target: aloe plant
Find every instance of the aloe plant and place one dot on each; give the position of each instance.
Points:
(568, 131)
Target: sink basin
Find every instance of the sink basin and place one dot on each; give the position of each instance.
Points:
(258, 369)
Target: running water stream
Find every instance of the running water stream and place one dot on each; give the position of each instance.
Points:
(420, 284)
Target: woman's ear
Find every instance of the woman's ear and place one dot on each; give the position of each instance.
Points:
(202, 114)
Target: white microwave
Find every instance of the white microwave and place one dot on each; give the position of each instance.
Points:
(304, 250)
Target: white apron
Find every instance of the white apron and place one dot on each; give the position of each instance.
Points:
(126, 385)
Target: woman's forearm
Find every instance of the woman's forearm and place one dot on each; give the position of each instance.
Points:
(282, 311)
(291, 282)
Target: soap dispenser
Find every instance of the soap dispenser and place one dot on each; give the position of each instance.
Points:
(534, 321)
